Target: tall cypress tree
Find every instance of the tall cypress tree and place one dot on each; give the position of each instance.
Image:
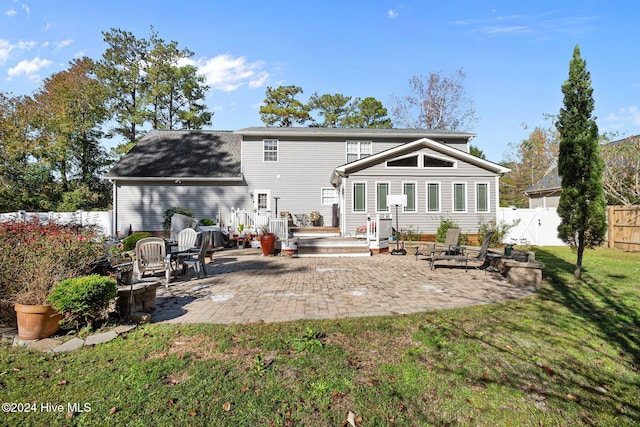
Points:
(582, 204)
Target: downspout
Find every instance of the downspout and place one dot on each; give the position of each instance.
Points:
(114, 214)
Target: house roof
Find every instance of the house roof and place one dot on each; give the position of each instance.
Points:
(353, 132)
(414, 146)
(186, 154)
(551, 181)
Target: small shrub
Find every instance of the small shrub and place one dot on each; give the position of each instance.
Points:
(207, 222)
(84, 297)
(130, 241)
(445, 225)
(499, 231)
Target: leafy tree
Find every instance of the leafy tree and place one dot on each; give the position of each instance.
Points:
(476, 151)
(368, 113)
(282, 109)
(176, 92)
(528, 161)
(333, 108)
(582, 204)
(621, 178)
(122, 71)
(438, 102)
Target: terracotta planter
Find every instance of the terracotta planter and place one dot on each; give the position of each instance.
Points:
(267, 243)
(36, 321)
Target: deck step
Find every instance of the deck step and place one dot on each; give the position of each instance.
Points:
(326, 247)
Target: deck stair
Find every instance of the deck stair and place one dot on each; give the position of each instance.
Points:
(326, 242)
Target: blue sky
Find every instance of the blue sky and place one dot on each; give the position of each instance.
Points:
(515, 54)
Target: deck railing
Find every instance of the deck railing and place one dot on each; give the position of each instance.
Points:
(250, 220)
(379, 231)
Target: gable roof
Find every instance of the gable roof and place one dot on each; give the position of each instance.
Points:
(552, 182)
(409, 147)
(186, 154)
(353, 132)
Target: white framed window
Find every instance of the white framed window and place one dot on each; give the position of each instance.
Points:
(433, 196)
(482, 197)
(459, 196)
(262, 200)
(382, 191)
(359, 197)
(328, 196)
(410, 190)
(435, 162)
(357, 150)
(270, 150)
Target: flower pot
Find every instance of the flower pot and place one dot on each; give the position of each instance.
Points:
(267, 243)
(36, 321)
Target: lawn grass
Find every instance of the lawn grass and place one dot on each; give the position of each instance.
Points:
(568, 355)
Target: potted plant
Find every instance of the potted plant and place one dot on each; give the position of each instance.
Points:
(314, 217)
(267, 241)
(34, 258)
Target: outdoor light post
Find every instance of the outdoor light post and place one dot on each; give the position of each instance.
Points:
(276, 199)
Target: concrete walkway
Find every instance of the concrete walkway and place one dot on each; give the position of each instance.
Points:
(244, 287)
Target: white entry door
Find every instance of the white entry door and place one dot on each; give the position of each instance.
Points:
(262, 200)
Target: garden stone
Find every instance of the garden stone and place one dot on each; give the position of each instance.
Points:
(72, 344)
(124, 328)
(100, 338)
(46, 344)
(9, 334)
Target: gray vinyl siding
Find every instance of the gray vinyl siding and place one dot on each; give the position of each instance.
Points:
(303, 168)
(141, 205)
(422, 221)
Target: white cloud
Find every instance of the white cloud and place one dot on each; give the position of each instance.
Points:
(63, 43)
(5, 50)
(26, 9)
(624, 117)
(392, 13)
(228, 73)
(11, 12)
(27, 45)
(28, 68)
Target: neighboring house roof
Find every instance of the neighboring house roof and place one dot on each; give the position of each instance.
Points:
(550, 182)
(353, 132)
(182, 154)
(414, 146)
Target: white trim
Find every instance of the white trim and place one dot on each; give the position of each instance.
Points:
(453, 197)
(178, 179)
(426, 193)
(353, 197)
(475, 196)
(376, 195)
(415, 197)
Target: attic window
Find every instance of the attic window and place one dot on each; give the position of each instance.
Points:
(432, 162)
(405, 162)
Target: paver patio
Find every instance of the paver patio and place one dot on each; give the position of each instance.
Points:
(244, 287)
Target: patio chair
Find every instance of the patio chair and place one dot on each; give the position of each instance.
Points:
(465, 256)
(196, 259)
(450, 246)
(186, 240)
(151, 257)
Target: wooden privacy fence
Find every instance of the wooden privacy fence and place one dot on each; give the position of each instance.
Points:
(624, 228)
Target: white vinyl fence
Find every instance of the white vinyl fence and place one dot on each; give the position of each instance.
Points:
(538, 226)
(103, 220)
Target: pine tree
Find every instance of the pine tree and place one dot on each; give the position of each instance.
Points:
(582, 204)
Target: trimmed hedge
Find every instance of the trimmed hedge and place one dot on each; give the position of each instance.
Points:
(83, 297)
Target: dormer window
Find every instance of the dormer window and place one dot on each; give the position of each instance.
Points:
(433, 162)
(404, 162)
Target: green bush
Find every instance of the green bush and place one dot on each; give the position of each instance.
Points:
(207, 222)
(130, 241)
(445, 225)
(84, 297)
(499, 231)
